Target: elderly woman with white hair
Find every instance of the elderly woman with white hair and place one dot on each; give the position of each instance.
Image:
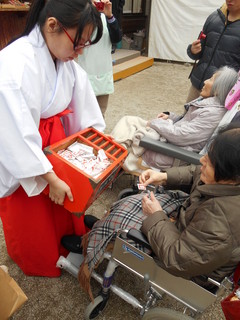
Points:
(190, 131)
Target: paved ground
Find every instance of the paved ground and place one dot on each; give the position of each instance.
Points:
(160, 88)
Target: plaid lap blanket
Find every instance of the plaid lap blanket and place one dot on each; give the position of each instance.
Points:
(126, 214)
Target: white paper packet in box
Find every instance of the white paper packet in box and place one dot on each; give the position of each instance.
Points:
(66, 154)
(102, 155)
(76, 147)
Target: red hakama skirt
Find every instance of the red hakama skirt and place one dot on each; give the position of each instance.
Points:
(34, 226)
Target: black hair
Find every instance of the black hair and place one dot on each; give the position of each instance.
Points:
(224, 153)
(69, 13)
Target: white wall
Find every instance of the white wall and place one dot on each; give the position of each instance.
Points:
(174, 24)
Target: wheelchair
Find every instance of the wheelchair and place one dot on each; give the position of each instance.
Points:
(156, 282)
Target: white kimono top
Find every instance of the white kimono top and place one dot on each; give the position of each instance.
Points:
(31, 88)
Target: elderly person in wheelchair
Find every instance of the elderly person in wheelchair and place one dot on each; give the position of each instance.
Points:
(190, 234)
(189, 131)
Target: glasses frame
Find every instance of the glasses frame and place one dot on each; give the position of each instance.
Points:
(78, 47)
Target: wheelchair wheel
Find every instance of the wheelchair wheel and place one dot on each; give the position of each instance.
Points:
(165, 314)
(96, 307)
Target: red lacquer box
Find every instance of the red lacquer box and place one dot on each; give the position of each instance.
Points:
(86, 189)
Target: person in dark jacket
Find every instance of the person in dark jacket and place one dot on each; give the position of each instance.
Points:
(218, 45)
(117, 10)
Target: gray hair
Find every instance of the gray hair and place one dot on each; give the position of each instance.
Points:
(225, 79)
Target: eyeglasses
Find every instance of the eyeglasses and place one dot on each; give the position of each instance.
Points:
(79, 46)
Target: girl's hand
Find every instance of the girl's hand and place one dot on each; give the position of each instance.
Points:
(57, 188)
(57, 191)
(152, 177)
(150, 204)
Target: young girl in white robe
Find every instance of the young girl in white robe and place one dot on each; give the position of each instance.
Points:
(44, 97)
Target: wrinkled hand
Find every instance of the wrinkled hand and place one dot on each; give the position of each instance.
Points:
(196, 47)
(150, 204)
(152, 177)
(163, 116)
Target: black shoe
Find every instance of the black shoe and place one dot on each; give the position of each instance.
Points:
(72, 243)
(89, 220)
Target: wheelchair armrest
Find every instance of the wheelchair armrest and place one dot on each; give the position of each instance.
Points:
(138, 237)
(170, 150)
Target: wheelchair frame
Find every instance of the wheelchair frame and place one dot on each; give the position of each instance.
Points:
(156, 280)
